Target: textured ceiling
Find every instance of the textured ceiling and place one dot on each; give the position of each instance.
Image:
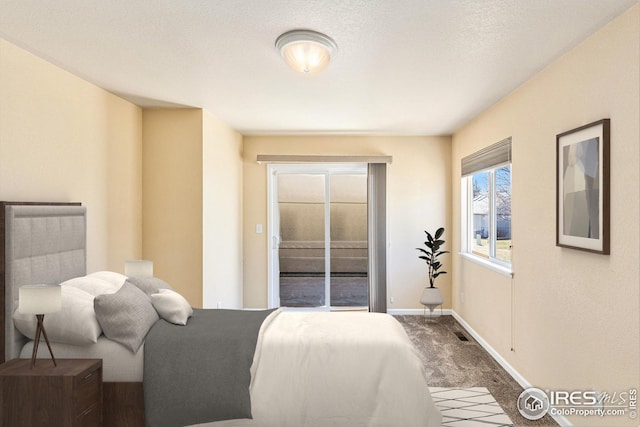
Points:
(402, 67)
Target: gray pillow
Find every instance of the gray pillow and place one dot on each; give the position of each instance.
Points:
(149, 285)
(126, 316)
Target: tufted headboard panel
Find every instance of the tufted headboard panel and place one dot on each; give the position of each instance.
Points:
(40, 243)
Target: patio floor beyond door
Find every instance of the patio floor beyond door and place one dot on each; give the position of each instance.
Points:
(346, 291)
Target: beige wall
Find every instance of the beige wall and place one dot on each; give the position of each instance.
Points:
(222, 214)
(172, 198)
(419, 188)
(63, 139)
(192, 181)
(573, 317)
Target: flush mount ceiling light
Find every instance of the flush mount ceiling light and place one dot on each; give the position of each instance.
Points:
(306, 51)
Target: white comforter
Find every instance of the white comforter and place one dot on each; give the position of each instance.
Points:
(336, 369)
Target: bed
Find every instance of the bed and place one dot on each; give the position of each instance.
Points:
(302, 369)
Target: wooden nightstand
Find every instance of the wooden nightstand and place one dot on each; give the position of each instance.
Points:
(67, 395)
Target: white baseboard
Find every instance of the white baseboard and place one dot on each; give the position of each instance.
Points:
(561, 420)
(417, 312)
(498, 358)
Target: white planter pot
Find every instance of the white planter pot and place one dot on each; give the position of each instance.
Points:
(431, 297)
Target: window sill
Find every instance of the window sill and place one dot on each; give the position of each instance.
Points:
(505, 271)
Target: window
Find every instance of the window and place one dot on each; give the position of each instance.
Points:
(486, 184)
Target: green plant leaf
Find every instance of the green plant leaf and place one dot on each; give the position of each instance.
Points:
(439, 232)
(432, 252)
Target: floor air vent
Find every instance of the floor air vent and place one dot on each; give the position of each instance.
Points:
(461, 336)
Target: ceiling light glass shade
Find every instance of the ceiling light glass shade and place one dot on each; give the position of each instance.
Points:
(306, 51)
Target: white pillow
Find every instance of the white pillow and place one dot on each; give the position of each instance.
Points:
(112, 277)
(75, 324)
(171, 306)
(92, 285)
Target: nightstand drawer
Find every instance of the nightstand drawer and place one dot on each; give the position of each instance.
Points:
(87, 390)
(69, 394)
(88, 379)
(90, 417)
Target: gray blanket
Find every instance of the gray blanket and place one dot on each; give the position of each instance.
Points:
(200, 372)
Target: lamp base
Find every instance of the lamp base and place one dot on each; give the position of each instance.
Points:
(40, 331)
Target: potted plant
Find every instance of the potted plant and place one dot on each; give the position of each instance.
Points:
(431, 296)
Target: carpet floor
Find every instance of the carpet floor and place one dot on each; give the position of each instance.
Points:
(450, 362)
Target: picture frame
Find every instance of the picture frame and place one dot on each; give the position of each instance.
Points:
(582, 188)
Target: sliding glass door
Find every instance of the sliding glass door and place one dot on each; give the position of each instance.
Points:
(348, 234)
(319, 234)
(302, 240)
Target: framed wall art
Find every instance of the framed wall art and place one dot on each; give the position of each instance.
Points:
(582, 196)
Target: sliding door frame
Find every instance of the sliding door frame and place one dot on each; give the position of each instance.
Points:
(273, 221)
(376, 171)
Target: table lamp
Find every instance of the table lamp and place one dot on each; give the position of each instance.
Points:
(138, 268)
(40, 300)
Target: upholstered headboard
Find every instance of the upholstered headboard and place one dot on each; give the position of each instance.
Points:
(39, 243)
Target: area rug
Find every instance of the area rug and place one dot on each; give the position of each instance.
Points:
(467, 407)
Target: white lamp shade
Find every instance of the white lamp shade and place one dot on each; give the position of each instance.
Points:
(138, 268)
(39, 299)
